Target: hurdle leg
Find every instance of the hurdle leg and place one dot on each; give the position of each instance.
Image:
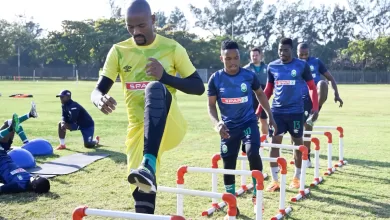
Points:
(341, 162)
(180, 201)
(331, 169)
(302, 191)
(282, 200)
(317, 178)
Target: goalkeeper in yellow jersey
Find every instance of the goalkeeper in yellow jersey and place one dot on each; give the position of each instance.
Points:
(147, 64)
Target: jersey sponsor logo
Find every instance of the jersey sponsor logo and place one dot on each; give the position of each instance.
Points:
(127, 68)
(293, 73)
(136, 85)
(234, 100)
(19, 170)
(285, 82)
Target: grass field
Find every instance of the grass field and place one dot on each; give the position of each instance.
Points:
(358, 191)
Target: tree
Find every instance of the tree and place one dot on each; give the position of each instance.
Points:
(116, 11)
(74, 43)
(178, 20)
(161, 19)
(6, 44)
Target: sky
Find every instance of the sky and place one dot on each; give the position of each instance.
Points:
(50, 13)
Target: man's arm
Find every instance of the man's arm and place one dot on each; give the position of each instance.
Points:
(322, 69)
(102, 88)
(192, 84)
(269, 89)
(190, 81)
(10, 188)
(212, 102)
(311, 85)
(75, 109)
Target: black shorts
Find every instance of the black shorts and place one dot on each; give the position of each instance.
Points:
(263, 114)
(291, 123)
(246, 134)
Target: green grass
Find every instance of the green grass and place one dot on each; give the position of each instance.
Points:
(358, 191)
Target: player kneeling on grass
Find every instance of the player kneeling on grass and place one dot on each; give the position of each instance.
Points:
(7, 140)
(232, 88)
(14, 178)
(288, 76)
(75, 117)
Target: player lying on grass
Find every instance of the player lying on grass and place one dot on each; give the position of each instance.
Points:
(317, 69)
(75, 117)
(14, 178)
(232, 88)
(288, 76)
(7, 140)
(147, 64)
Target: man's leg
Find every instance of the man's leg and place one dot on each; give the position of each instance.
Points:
(274, 152)
(157, 103)
(22, 135)
(322, 89)
(296, 132)
(7, 132)
(87, 133)
(61, 135)
(308, 105)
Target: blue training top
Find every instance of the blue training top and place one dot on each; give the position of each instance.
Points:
(234, 96)
(15, 179)
(74, 114)
(317, 69)
(289, 81)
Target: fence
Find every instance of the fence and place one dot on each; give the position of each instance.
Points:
(92, 73)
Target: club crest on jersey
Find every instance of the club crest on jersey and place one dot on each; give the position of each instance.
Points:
(311, 67)
(224, 149)
(127, 68)
(293, 73)
(243, 87)
(136, 85)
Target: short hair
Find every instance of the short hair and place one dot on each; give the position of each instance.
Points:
(257, 49)
(303, 46)
(286, 41)
(40, 185)
(229, 44)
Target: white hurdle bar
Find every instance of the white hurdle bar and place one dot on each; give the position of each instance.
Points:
(254, 173)
(327, 134)
(282, 164)
(80, 212)
(317, 178)
(340, 129)
(230, 199)
(302, 190)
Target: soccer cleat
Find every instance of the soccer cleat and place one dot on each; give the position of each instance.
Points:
(61, 147)
(273, 187)
(254, 205)
(143, 178)
(33, 111)
(14, 123)
(294, 183)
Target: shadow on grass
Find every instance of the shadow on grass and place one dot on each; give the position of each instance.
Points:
(380, 209)
(369, 164)
(28, 197)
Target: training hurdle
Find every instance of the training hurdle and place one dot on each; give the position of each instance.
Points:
(328, 135)
(254, 173)
(317, 178)
(282, 164)
(80, 212)
(341, 162)
(302, 190)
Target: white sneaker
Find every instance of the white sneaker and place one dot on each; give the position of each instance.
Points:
(33, 111)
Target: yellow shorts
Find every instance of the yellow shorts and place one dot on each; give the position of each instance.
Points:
(174, 132)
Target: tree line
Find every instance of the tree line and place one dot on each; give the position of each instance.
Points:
(357, 37)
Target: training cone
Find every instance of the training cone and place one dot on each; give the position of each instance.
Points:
(22, 158)
(39, 147)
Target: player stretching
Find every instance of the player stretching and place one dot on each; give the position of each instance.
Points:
(14, 178)
(317, 68)
(260, 69)
(147, 65)
(7, 140)
(288, 76)
(232, 87)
